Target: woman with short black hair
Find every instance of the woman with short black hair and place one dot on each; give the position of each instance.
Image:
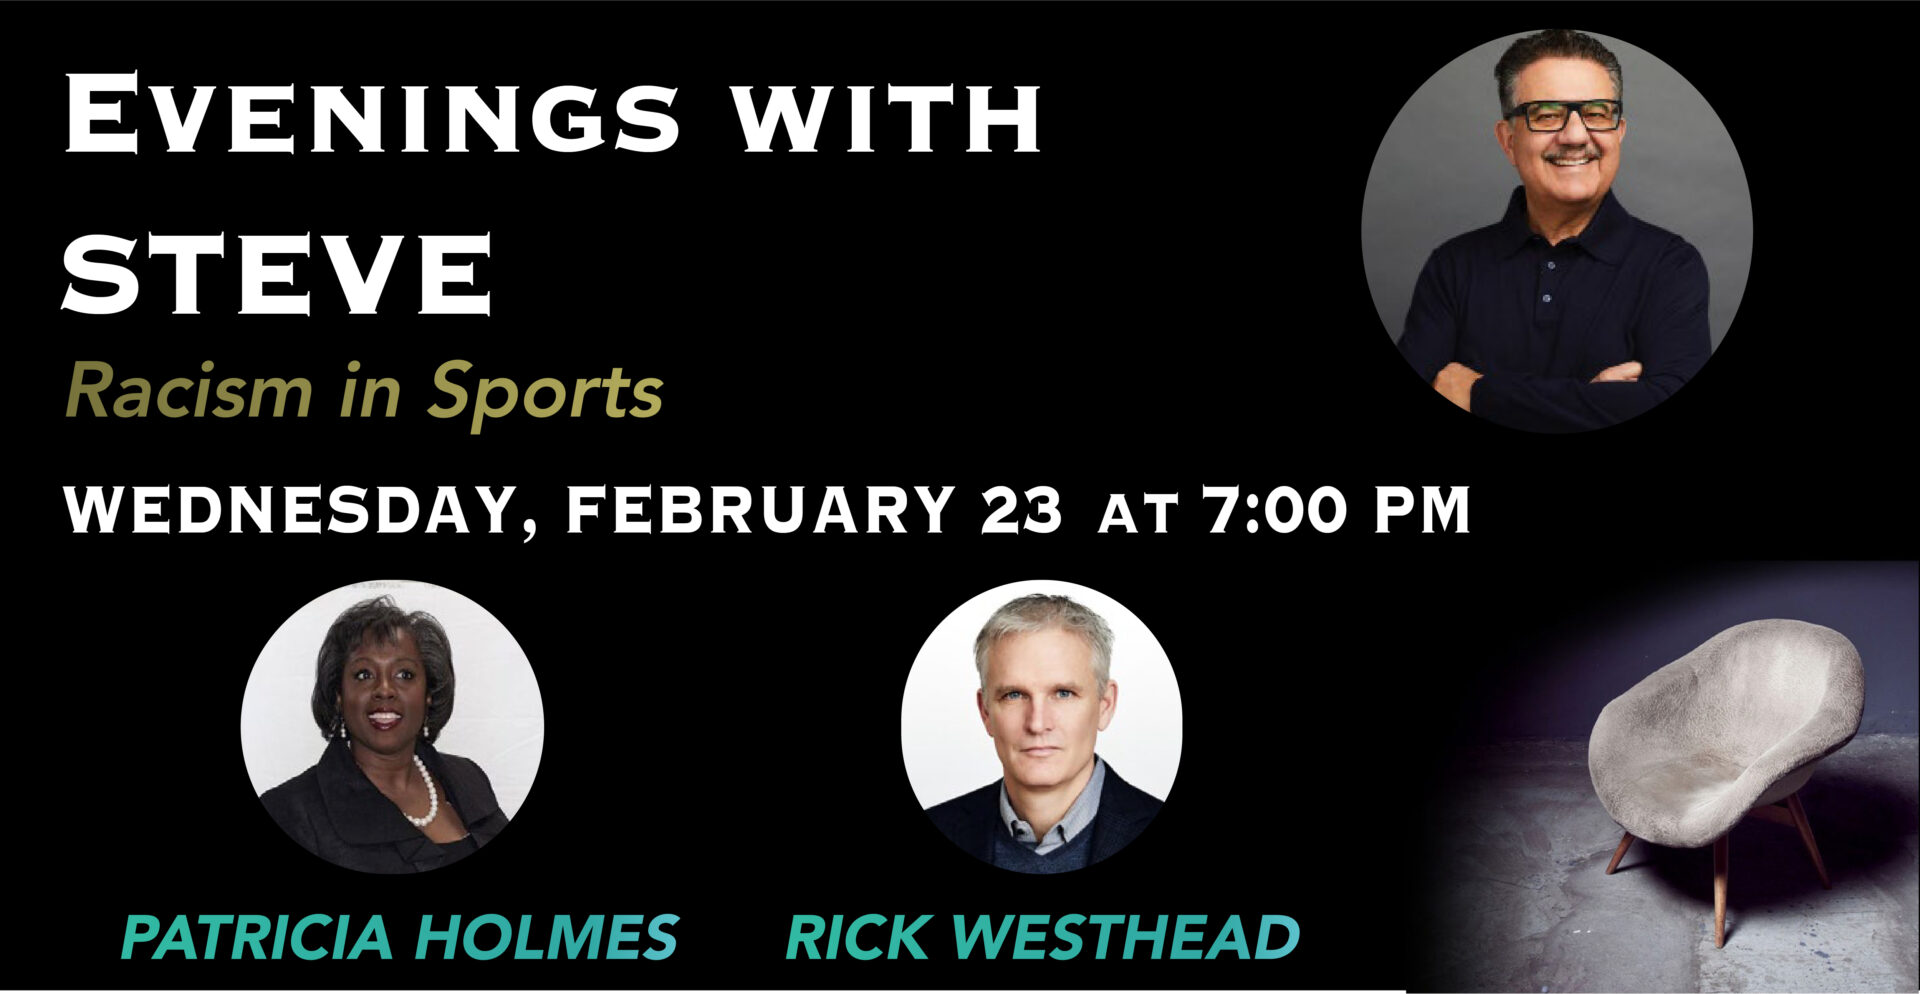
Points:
(382, 799)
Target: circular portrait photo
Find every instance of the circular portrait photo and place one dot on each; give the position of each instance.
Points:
(1041, 727)
(392, 727)
(1557, 232)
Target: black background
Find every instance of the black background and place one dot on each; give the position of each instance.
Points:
(1169, 295)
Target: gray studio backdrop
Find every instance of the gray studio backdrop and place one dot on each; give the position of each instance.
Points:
(1439, 173)
(1568, 679)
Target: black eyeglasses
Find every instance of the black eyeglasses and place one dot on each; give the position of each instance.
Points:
(1553, 115)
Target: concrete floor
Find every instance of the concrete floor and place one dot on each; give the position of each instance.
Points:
(1516, 897)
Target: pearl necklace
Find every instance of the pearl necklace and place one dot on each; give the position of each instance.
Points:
(433, 796)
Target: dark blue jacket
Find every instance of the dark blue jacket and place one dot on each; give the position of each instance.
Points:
(971, 819)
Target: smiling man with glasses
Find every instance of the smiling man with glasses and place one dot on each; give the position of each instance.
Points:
(1570, 313)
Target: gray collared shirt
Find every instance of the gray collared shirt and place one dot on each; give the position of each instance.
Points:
(1078, 817)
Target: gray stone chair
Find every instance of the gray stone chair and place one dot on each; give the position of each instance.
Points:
(1731, 729)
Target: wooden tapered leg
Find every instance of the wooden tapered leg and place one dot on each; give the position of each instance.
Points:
(1625, 841)
(1720, 892)
(1806, 836)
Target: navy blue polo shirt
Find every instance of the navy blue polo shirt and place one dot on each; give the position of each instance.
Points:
(1542, 320)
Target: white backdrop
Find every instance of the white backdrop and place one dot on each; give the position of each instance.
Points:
(947, 750)
(497, 719)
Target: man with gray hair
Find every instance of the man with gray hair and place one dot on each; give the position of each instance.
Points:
(1570, 313)
(1045, 693)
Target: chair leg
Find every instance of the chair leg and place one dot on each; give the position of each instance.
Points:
(1625, 841)
(1806, 836)
(1720, 892)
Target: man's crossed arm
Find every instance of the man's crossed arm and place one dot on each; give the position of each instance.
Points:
(1455, 381)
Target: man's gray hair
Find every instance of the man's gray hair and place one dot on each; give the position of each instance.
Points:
(1039, 612)
(1554, 43)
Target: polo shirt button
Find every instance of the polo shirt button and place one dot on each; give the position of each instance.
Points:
(1546, 298)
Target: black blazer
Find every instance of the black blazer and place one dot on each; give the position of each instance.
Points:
(971, 819)
(337, 814)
